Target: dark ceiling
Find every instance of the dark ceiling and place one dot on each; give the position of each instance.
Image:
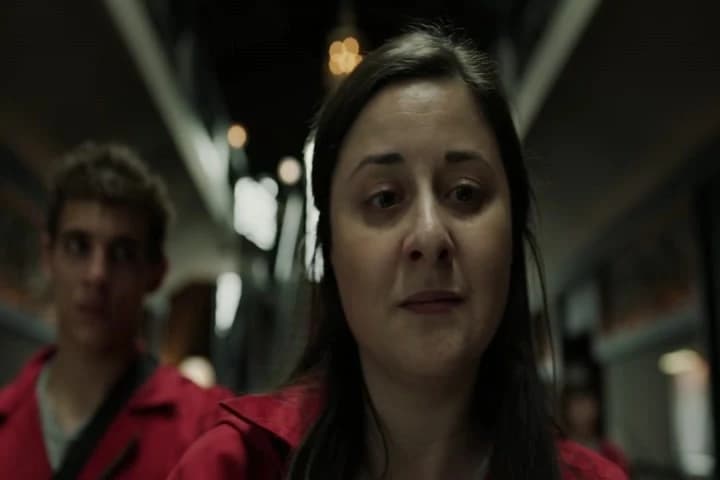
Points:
(268, 57)
(635, 102)
(68, 77)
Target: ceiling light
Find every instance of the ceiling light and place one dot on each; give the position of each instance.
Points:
(344, 56)
(289, 171)
(270, 185)
(255, 213)
(336, 48)
(351, 45)
(227, 299)
(237, 136)
(680, 361)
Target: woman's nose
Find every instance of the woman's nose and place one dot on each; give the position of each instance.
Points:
(428, 238)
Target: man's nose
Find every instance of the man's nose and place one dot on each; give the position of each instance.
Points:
(98, 266)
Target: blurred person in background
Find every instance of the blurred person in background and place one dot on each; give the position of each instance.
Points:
(96, 404)
(581, 416)
(420, 362)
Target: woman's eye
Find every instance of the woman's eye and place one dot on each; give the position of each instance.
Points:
(466, 196)
(384, 199)
(465, 193)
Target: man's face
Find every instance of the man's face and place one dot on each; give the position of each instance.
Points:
(101, 273)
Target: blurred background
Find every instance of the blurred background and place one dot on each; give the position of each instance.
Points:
(618, 104)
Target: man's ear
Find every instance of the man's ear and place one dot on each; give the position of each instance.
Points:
(157, 271)
(46, 251)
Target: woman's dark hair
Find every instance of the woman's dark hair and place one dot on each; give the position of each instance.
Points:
(510, 404)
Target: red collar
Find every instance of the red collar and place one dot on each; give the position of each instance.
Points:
(287, 414)
(163, 390)
(158, 392)
(23, 385)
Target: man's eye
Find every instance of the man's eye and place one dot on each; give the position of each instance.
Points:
(385, 199)
(123, 254)
(76, 246)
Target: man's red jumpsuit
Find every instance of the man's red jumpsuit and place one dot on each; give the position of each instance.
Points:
(145, 440)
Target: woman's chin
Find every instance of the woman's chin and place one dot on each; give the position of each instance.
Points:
(436, 369)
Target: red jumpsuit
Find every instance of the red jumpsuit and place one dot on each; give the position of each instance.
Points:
(244, 445)
(161, 419)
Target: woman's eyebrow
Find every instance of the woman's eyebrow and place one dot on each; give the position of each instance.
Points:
(459, 156)
(387, 158)
(392, 158)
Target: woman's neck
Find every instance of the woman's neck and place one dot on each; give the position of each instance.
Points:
(426, 427)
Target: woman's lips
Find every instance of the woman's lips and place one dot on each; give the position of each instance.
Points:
(432, 302)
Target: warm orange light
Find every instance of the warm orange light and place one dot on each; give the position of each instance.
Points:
(344, 56)
(351, 45)
(237, 136)
(334, 67)
(336, 48)
(289, 170)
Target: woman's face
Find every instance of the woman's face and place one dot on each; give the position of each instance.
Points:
(421, 230)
